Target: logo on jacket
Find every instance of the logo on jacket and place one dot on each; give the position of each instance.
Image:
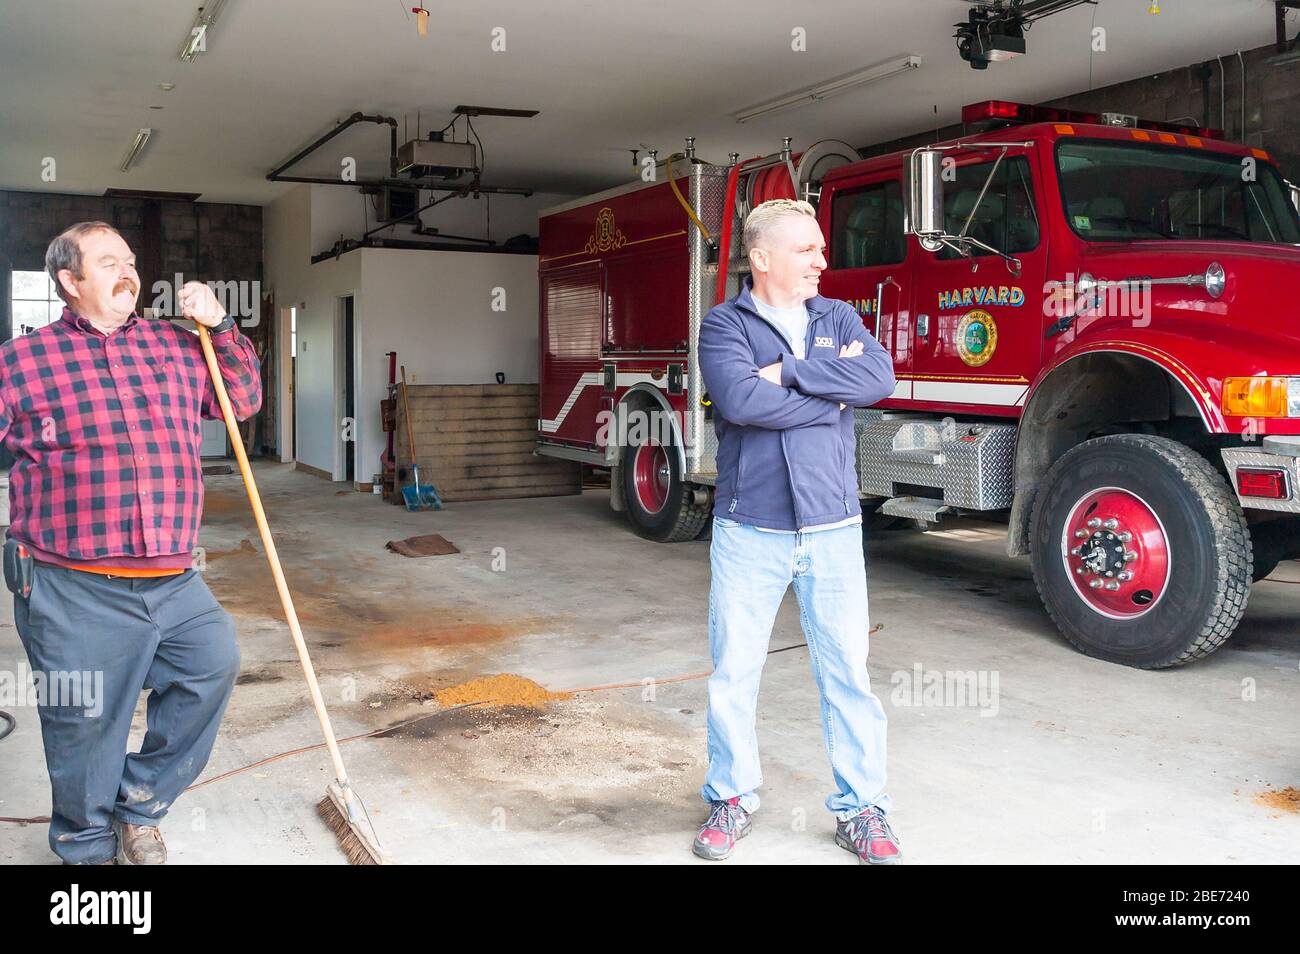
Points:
(976, 338)
(823, 341)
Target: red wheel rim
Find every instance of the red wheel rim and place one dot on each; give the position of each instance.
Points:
(652, 477)
(1116, 553)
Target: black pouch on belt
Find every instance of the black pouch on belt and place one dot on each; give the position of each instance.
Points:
(18, 568)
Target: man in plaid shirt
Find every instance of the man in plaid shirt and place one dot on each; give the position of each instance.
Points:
(101, 410)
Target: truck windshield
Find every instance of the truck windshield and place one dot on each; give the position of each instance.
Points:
(1125, 192)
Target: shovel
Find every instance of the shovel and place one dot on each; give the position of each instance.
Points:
(418, 496)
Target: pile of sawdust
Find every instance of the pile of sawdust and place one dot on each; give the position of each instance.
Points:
(1286, 799)
(504, 689)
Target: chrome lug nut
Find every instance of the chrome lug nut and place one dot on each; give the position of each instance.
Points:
(1111, 524)
(1095, 522)
(1125, 575)
(1095, 584)
(1080, 534)
(1112, 585)
(1125, 537)
(1129, 556)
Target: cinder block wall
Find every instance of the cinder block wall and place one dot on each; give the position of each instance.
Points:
(206, 241)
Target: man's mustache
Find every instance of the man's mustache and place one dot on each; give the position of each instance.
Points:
(125, 285)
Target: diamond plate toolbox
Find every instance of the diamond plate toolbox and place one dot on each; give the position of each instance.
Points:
(971, 463)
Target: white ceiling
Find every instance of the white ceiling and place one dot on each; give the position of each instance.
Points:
(77, 78)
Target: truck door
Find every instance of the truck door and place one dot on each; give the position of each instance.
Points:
(977, 335)
(868, 259)
(569, 377)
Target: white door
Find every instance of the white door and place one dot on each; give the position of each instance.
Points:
(214, 443)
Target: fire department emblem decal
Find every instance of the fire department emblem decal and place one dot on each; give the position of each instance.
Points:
(976, 338)
(607, 234)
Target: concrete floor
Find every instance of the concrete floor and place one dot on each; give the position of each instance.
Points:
(1072, 760)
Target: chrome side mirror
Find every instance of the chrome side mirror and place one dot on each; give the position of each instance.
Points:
(925, 199)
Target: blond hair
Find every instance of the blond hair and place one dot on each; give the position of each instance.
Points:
(763, 216)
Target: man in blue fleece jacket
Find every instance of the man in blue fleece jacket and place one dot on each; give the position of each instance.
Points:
(784, 368)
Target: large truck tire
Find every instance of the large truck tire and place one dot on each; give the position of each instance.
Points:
(660, 504)
(1140, 551)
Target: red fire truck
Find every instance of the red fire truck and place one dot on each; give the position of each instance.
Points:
(1094, 329)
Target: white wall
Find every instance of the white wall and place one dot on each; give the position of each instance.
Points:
(314, 290)
(286, 226)
(433, 308)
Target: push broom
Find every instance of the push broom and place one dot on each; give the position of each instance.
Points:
(340, 809)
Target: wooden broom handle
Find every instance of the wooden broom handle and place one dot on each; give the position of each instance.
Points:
(410, 434)
(232, 427)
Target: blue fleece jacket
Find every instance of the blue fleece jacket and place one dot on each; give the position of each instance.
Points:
(786, 457)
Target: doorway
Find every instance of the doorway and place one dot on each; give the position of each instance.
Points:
(349, 416)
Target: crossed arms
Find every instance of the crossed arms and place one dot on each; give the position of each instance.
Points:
(793, 392)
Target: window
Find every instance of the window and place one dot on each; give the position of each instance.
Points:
(1124, 192)
(867, 227)
(1005, 218)
(35, 303)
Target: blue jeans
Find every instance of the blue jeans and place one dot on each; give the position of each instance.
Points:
(751, 572)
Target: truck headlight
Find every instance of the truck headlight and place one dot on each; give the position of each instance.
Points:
(1259, 396)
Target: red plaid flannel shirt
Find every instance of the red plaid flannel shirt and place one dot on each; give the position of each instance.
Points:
(105, 433)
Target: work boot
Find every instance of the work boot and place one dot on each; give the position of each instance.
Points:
(139, 844)
(869, 836)
(727, 824)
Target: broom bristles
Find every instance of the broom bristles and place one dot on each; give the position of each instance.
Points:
(357, 846)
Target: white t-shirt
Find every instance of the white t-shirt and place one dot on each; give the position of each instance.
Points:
(791, 322)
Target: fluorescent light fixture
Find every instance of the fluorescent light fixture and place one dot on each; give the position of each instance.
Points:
(137, 146)
(197, 40)
(831, 87)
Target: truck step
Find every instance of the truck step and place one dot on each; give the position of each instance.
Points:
(915, 508)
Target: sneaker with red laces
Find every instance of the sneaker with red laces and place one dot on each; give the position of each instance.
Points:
(727, 824)
(869, 836)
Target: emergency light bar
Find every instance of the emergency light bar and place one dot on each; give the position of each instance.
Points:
(994, 113)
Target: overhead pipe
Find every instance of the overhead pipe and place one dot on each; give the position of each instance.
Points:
(427, 185)
(275, 174)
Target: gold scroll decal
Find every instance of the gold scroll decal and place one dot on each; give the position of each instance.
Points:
(607, 234)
